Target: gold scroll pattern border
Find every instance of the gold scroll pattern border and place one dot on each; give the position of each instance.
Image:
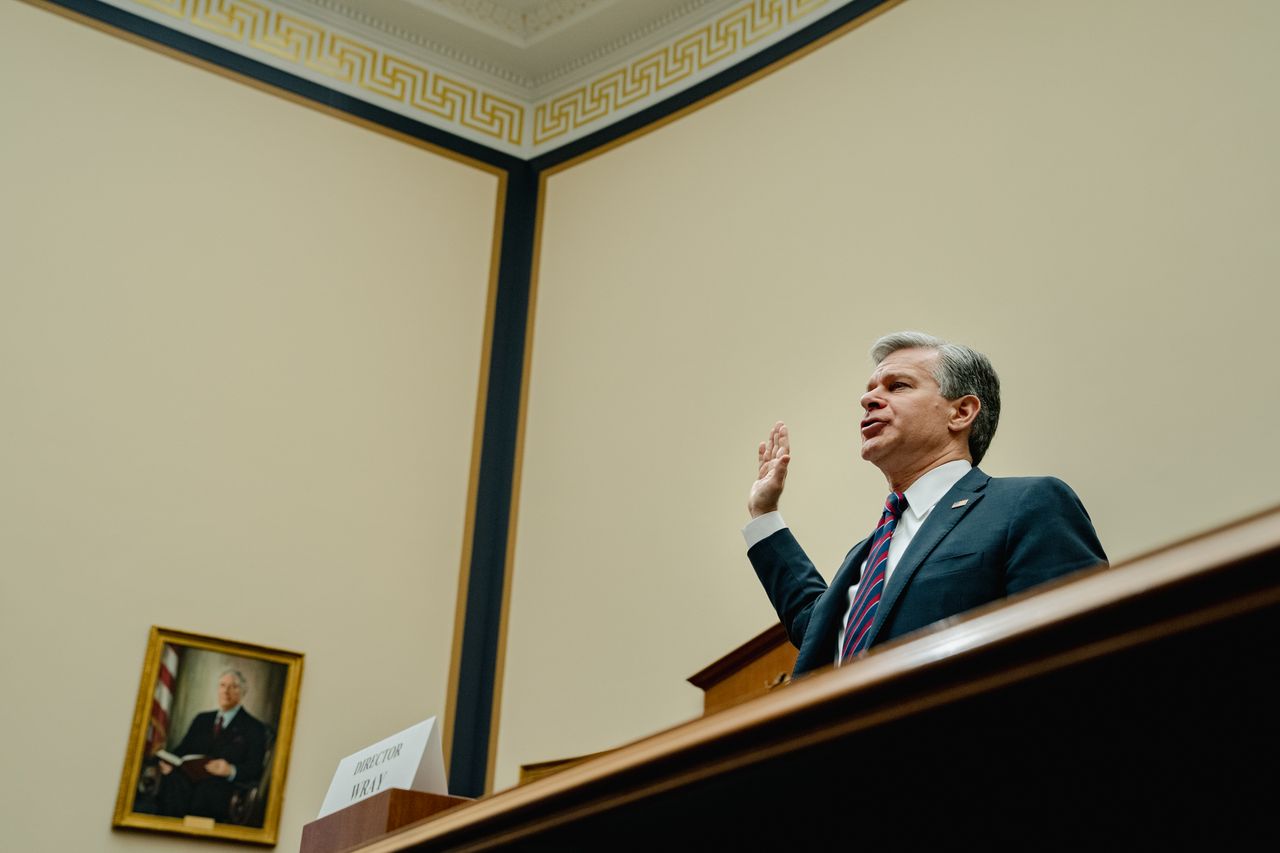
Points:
(346, 60)
(716, 42)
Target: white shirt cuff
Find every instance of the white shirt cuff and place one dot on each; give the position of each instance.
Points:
(762, 527)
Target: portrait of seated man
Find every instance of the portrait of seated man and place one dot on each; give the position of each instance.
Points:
(226, 748)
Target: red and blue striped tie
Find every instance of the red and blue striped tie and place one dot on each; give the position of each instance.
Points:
(871, 586)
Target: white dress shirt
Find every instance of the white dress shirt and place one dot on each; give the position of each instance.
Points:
(922, 496)
(229, 714)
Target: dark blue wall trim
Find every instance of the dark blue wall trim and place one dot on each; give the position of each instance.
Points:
(477, 664)
(482, 620)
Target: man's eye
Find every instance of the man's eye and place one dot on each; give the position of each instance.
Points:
(893, 386)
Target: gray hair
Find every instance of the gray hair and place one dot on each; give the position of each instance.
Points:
(244, 685)
(959, 371)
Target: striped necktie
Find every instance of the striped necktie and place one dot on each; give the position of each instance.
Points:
(871, 586)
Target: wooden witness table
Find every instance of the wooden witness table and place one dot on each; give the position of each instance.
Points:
(1129, 705)
(384, 812)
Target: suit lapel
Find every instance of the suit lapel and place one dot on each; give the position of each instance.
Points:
(829, 611)
(237, 722)
(941, 521)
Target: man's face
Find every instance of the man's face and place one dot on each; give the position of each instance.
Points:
(228, 692)
(905, 422)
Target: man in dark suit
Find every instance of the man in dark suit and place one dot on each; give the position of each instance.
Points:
(950, 537)
(233, 745)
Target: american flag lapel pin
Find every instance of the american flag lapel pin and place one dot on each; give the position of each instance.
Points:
(959, 503)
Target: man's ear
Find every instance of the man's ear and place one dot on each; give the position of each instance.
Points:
(963, 411)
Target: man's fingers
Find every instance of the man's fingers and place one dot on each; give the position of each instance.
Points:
(774, 454)
(775, 470)
(781, 440)
(777, 446)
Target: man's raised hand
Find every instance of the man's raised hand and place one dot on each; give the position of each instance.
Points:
(774, 456)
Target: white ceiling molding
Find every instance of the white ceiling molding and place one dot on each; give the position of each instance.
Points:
(519, 76)
(524, 20)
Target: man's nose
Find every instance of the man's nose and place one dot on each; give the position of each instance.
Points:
(870, 401)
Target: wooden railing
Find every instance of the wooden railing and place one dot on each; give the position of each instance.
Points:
(1123, 706)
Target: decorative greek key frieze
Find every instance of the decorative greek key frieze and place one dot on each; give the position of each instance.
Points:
(366, 67)
(394, 75)
(717, 42)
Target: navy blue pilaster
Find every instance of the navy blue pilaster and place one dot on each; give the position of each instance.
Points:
(477, 666)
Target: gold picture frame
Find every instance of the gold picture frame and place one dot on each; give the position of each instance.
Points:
(187, 679)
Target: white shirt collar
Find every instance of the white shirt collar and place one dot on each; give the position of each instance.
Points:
(933, 484)
(231, 712)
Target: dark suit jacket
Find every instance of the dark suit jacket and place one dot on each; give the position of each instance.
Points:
(242, 743)
(1009, 535)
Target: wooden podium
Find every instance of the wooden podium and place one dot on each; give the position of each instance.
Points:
(1125, 707)
(761, 664)
(389, 811)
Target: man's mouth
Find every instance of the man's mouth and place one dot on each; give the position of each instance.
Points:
(871, 427)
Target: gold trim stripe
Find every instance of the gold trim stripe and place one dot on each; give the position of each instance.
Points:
(718, 41)
(371, 69)
(473, 481)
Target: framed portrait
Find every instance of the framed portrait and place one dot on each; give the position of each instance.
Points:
(209, 748)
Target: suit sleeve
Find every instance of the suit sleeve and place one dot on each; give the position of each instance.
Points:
(790, 580)
(249, 768)
(192, 742)
(1050, 536)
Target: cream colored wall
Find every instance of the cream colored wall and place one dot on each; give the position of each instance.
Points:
(239, 351)
(1086, 191)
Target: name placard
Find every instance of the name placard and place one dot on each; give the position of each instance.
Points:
(411, 759)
